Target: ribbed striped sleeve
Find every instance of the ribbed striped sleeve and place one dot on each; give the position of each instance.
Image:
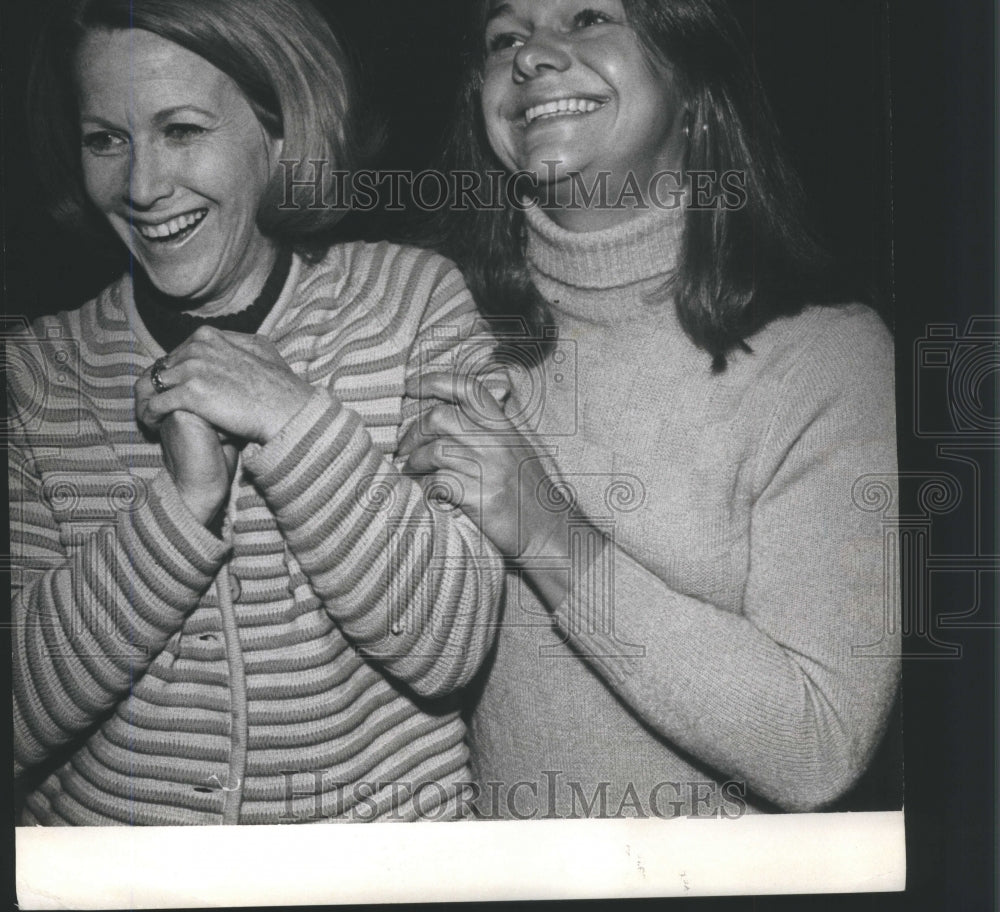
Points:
(415, 586)
(98, 586)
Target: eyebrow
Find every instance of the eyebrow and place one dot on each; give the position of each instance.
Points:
(497, 9)
(167, 113)
(158, 118)
(94, 119)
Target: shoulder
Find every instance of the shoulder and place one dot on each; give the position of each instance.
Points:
(106, 305)
(826, 379)
(851, 332)
(391, 263)
(383, 281)
(53, 358)
(824, 349)
(61, 338)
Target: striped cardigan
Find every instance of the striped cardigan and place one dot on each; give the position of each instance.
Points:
(303, 668)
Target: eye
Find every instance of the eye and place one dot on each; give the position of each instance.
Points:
(503, 42)
(183, 132)
(588, 17)
(102, 142)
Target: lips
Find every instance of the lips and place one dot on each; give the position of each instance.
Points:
(174, 229)
(562, 107)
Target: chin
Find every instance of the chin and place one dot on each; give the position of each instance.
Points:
(173, 286)
(553, 175)
(540, 161)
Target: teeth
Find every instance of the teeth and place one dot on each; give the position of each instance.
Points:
(560, 107)
(173, 227)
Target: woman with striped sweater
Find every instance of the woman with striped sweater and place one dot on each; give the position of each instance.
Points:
(230, 605)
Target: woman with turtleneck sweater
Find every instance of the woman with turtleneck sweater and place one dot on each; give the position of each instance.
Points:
(699, 615)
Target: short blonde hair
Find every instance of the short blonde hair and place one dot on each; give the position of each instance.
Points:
(282, 55)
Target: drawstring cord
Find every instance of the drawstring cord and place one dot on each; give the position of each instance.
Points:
(232, 791)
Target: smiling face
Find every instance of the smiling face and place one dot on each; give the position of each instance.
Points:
(568, 81)
(176, 160)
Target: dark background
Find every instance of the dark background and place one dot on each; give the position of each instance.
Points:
(888, 110)
(823, 64)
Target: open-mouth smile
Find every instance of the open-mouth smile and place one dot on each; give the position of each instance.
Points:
(179, 228)
(562, 107)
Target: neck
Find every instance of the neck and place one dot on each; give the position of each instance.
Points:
(240, 296)
(592, 218)
(577, 207)
(170, 324)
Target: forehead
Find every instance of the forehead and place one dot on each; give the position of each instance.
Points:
(146, 69)
(530, 9)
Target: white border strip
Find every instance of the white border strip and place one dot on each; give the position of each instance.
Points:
(191, 867)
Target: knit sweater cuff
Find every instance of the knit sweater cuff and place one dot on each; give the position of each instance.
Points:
(311, 463)
(278, 458)
(192, 555)
(596, 634)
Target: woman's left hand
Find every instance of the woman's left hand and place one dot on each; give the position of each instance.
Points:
(474, 458)
(238, 383)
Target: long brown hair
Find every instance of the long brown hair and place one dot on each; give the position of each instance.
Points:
(739, 268)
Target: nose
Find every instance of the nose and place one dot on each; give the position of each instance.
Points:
(149, 177)
(542, 52)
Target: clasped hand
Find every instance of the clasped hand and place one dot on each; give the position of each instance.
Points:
(472, 456)
(224, 389)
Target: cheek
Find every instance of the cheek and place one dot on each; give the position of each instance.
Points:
(662, 93)
(491, 101)
(228, 177)
(495, 135)
(500, 133)
(246, 175)
(103, 180)
(238, 187)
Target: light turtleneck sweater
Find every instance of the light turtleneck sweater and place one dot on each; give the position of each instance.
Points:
(732, 647)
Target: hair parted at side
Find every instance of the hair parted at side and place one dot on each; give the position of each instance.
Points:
(739, 269)
(282, 55)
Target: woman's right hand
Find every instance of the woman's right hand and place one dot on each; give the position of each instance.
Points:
(200, 463)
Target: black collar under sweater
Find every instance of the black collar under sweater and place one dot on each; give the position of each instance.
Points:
(163, 315)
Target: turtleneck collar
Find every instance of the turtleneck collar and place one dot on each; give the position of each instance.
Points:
(636, 251)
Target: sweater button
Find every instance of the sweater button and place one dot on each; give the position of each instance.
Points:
(235, 587)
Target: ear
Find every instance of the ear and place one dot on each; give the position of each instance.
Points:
(275, 148)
